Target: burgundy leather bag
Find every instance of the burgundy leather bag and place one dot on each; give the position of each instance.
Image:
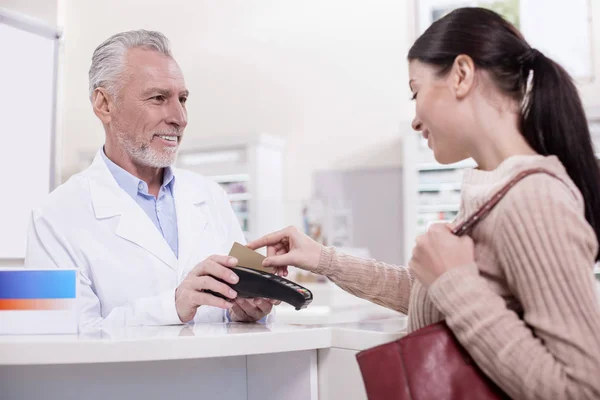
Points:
(429, 363)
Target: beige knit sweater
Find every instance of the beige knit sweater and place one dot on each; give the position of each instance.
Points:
(534, 257)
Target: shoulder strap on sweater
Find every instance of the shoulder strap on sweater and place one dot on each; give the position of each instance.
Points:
(485, 209)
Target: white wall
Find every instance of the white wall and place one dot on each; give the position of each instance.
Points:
(328, 75)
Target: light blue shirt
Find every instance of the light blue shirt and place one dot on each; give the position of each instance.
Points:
(160, 209)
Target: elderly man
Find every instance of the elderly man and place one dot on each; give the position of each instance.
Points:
(136, 228)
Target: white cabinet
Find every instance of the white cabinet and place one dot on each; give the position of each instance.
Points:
(250, 169)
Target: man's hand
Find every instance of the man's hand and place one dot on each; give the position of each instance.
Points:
(251, 310)
(190, 294)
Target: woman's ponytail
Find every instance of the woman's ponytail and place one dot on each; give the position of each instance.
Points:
(553, 122)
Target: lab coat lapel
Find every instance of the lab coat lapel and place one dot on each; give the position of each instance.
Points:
(110, 200)
(192, 216)
(136, 227)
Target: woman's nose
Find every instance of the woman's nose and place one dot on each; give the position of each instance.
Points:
(416, 125)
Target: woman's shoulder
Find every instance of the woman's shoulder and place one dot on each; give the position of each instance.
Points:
(543, 203)
(542, 197)
(545, 213)
(549, 185)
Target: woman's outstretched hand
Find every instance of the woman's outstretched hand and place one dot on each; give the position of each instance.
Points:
(288, 246)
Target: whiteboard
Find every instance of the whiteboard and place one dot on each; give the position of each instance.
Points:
(27, 119)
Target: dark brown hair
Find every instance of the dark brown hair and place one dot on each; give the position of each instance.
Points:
(553, 121)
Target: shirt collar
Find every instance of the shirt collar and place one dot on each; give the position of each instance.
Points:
(132, 184)
(168, 177)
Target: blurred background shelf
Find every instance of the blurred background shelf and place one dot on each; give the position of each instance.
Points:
(438, 187)
(249, 168)
(230, 178)
(239, 196)
(438, 208)
(432, 190)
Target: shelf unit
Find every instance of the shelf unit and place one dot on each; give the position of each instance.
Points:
(250, 169)
(230, 178)
(432, 190)
(441, 208)
(236, 196)
(438, 186)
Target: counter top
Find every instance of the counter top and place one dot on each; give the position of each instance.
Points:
(128, 344)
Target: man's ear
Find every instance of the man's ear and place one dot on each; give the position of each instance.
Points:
(102, 102)
(462, 75)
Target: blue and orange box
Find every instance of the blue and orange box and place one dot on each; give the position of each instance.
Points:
(38, 301)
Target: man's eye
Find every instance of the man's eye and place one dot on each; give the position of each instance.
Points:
(159, 98)
(183, 100)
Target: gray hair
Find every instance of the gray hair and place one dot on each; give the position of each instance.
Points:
(109, 58)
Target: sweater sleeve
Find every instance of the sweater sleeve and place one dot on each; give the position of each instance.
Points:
(384, 284)
(547, 251)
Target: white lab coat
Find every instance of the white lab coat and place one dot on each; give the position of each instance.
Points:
(128, 271)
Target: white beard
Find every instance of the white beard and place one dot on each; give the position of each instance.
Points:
(143, 154)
